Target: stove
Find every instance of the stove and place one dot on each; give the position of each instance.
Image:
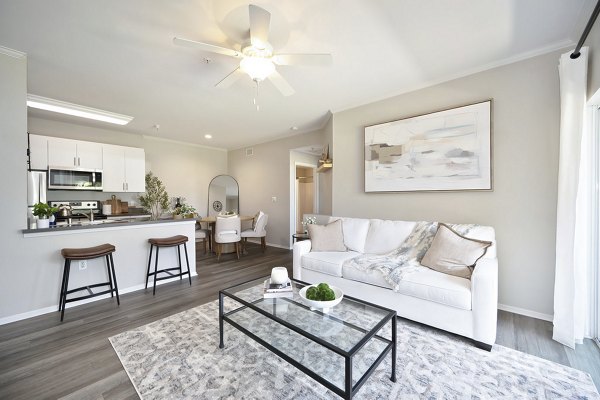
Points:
(78, 206)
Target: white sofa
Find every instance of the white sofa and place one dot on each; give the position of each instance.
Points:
(462, 306)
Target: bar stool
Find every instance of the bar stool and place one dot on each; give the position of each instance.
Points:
(168, 242)
(87, 253)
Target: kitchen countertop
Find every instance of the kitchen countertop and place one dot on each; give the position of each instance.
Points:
(100, 224)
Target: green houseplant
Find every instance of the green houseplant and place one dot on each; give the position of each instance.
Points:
(43, 211)
(184, 211)
(156, 199)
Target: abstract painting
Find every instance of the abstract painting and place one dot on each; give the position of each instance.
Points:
(444, 150)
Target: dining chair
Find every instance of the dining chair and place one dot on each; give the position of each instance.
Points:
(204, 235)
(259, 231)
(228, 230)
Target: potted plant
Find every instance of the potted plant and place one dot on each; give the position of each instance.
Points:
(43, 211)
(156, 199)
(184, 211)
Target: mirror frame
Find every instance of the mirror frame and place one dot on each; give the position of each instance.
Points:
(209, 206)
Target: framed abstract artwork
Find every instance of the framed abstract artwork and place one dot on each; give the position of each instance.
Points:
(440, 151)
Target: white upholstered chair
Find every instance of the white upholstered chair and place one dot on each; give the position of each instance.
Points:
(259, 231)
(228, 230)
(204, 235)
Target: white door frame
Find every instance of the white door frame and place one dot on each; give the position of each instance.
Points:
(293, 193)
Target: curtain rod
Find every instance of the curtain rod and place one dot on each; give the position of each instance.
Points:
(586, 31)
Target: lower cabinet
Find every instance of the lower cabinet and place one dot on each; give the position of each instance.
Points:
(124, 169)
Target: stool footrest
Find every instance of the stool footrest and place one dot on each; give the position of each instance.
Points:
(88, 288)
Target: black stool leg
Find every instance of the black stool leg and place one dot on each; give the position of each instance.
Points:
(109, 277)
(155, 270)
(112, 266)
(179, 261)
(149, 261)
(64, 299)
(187, 261)
(62, 287)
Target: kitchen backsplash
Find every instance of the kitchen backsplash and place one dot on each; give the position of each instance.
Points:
(56, 195)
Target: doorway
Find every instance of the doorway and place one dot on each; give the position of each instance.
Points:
(305, 195)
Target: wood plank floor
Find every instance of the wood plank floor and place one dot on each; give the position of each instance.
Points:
(43, 358)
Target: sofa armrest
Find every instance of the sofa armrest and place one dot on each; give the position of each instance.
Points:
(300, 248)
(484, 300)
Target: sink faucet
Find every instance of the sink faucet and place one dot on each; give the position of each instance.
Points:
(90, 216)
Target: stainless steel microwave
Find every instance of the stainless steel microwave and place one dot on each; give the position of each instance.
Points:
(61, 178)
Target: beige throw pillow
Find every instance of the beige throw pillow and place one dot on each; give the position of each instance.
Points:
(454, 254)
(326, 237)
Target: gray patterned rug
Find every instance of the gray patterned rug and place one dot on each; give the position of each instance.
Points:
(178, 358)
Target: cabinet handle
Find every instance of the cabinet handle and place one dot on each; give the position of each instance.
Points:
(127, 186)
(75, 161)
(123, 186)
(78, 162)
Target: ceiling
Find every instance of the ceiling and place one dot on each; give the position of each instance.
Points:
(118, 56)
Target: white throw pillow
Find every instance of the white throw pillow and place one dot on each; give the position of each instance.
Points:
(326, 237)
(454, 254)
(355, 232)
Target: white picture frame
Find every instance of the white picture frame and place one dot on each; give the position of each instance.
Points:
(447, 150)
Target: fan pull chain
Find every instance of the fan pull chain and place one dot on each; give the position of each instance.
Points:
(256, 96)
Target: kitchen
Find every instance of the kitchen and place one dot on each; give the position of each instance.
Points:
(32, 263)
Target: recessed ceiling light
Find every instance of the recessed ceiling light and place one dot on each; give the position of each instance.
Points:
(208, 136)
(44, 103)
(294, 128)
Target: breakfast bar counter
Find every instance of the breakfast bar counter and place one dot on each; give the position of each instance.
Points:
(37, 273)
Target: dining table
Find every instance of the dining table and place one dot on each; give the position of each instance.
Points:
(211, 220)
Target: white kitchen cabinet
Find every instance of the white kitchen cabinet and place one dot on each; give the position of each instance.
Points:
(124, 169)
(38, 152)
(74, 153)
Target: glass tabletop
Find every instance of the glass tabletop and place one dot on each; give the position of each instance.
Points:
(343, 326)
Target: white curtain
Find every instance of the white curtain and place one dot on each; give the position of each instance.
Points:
(573, 207)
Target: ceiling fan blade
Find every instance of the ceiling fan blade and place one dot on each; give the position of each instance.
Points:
(303, 59)
(230, 79)
(206, 47)
(260, 20)
(281, 84)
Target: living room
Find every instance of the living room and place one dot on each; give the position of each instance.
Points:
(506, 53)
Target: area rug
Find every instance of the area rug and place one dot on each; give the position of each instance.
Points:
(178, 358)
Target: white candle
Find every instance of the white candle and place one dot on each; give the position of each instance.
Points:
(279, 275)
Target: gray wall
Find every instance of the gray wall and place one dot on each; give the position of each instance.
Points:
(185, 169)
(267, 174)
(593, 41)
(522, 205)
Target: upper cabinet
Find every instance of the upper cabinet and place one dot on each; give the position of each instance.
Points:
(74, 153)
(38, 152)
(124, 169)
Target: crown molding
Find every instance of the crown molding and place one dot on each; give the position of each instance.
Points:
(12, 53)
(180, 142)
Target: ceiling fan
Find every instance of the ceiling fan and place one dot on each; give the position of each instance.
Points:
(257, 58)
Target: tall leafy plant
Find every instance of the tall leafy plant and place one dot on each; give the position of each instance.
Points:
(156, 199)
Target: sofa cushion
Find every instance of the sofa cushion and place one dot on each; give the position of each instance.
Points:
(424, 284)
(453, 254)
(326, 237)
(386, 236)
(355, 232)
(327, 262)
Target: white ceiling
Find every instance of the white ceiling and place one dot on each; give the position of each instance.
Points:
(118, 56)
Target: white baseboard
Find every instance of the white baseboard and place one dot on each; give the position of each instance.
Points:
(270, 244)
(527, 313)
(54, 308)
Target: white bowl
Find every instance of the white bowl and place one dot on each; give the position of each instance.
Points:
(323, 305)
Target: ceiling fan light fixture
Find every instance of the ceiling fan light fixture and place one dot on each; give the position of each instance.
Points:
(258, 68)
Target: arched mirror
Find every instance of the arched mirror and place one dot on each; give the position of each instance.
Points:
(223, 195)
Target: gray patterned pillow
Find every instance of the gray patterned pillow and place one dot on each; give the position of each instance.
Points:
(454, 254)
(328, 237)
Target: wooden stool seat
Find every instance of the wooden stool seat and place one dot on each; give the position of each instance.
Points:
(169, 241)
(87, 253)
(172, 241)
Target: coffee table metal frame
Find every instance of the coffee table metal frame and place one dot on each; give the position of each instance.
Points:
(349, 390)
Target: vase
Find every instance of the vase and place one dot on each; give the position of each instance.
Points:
(43, 223)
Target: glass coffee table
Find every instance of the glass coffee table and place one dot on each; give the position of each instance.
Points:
(339, 349)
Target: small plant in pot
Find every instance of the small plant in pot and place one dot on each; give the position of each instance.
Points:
(184, 211)
(43, 211)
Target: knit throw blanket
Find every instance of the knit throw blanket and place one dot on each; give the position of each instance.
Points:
(406, 259)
